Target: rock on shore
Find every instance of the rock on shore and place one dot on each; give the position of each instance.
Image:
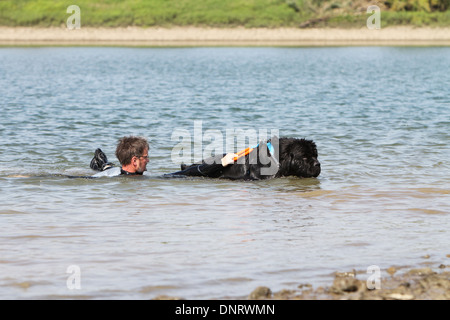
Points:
(415, 284)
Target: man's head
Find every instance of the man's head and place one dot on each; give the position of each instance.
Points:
(132, 153)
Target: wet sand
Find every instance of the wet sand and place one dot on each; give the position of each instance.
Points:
(193, 36)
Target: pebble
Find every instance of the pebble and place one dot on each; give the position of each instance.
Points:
(421, 272)
(304, 285)
(399, 296)
(345, 285)
(346, 274)
(391, 270)
(260, 293)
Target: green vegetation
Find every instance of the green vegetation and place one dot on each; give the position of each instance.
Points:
(224, 13)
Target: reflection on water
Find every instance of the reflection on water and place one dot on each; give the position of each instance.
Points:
(378, 116)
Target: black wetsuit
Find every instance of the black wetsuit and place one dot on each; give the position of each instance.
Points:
(211, 168)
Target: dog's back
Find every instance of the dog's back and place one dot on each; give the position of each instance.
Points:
(285, 157)
(261, 163)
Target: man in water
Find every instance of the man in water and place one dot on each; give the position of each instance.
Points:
(132, 153)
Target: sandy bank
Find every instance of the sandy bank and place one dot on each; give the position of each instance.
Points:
(192, 36)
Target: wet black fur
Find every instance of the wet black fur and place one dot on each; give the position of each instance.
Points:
(296, 157)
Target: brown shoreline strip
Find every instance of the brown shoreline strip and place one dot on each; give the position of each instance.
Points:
(193, 36)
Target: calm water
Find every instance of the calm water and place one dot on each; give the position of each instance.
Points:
(380, 117)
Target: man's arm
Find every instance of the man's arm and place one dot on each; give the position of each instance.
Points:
(211, 167)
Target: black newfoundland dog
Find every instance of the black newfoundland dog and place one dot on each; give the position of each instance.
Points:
(277, 157)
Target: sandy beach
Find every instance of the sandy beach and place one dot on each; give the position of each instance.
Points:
(193, 36)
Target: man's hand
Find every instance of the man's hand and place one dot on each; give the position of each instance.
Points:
(228, 159)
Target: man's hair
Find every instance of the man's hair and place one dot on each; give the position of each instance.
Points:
(128, 147)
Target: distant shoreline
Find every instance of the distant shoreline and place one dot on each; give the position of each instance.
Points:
(239, 36)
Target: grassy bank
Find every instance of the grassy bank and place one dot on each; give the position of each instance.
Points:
(220, 13)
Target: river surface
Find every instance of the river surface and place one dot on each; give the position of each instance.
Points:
(380, 117)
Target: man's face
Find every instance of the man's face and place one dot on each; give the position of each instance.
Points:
(142, 161)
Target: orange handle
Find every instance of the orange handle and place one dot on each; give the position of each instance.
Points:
(242, 153)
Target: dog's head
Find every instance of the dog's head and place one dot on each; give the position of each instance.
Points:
(298, 157)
